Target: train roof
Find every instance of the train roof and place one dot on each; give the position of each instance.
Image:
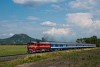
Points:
(62, 43)
(70, 43)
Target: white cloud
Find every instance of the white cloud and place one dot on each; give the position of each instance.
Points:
(57, 7)
(97, 23)
(58, 31)
(11, 34)
(32, 18)
(34, 2)
(84, 4)
(80, 19)
(85, 23)
(48, 23)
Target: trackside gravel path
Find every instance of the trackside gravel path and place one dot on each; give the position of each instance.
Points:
(11, 57)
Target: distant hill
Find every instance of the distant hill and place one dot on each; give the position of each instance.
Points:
(17, 39)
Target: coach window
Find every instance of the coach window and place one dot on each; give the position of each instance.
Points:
(64, 45)
(54, 45)
(60, 45)
(51, 45)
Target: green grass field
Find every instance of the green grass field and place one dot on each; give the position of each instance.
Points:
(75, 58)
(12, 49)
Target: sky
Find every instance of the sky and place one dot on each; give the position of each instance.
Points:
(64, 20)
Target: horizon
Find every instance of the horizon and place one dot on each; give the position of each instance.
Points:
(52, 39)
(61, 19)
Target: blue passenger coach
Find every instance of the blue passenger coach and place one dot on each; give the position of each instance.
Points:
(63, 46)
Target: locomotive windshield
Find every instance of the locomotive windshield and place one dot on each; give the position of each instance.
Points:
(31, 43)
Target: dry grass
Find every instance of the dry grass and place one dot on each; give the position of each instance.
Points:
(72, 58)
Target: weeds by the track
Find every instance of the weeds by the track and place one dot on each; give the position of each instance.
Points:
(78, 57)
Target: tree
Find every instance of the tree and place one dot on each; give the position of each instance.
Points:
(90, 40)
(94, 39)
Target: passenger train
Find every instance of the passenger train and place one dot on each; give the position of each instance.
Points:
(34, 47)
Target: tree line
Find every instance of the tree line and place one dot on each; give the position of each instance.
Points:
(90, 40)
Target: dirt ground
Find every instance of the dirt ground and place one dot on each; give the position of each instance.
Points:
(51, 62)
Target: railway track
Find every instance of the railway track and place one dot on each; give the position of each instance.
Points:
(11, 57)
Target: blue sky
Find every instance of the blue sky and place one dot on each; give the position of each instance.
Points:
(63, 20)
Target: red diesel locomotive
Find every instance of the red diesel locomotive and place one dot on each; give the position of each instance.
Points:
(38, 47)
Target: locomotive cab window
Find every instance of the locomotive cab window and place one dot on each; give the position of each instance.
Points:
(30, 43)
(34, 43)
